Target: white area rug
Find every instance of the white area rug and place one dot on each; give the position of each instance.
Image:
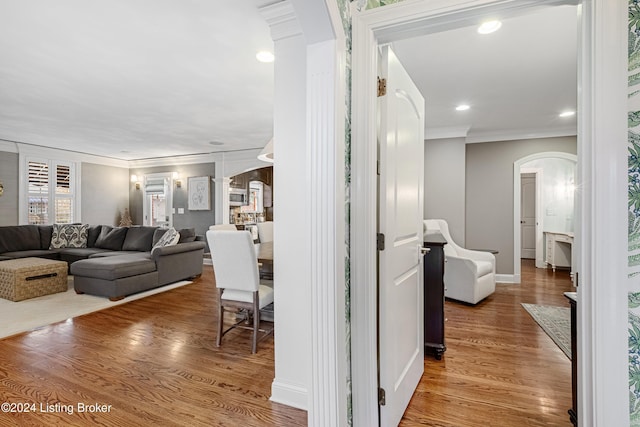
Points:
(21, 316)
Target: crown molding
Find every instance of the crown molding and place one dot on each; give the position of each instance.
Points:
(478, 137)
(282, 20)
(60, 154)
(8, 146)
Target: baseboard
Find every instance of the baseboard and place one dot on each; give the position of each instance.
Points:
(508, 278)
(290, 395)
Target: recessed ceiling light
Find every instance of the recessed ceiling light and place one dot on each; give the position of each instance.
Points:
(265, 56)
(489, 27)
(567, 113)
(462, 107)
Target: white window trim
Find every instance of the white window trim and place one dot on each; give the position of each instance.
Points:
(23, 194)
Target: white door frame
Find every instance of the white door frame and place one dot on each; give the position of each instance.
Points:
(168, 192)
(517, 169)
(538, 176)
(602, 151)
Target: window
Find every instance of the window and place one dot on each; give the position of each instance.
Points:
(51, 192)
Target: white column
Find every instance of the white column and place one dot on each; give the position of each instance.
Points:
(291, 225)
(325, 168)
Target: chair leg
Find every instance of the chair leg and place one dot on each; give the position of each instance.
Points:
(220, 318)
(256, 322)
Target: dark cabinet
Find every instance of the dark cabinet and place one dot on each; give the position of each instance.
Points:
(434, 295)
(573, 412)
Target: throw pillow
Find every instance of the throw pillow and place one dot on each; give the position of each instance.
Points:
(111, 238)
(187, 235)
(69, 236)
(170, 238)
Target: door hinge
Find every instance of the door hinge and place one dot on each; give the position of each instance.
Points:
(382, 400)
(382, 87)
(575, 279)
(380, 241)
(378, 167)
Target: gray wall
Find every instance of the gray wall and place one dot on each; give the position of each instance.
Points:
(9, 179)
(489, 192)
(105, 193)
(200, 220)
(444, 184)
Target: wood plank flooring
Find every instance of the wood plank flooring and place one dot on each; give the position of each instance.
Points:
(155, 362)
(500, 367)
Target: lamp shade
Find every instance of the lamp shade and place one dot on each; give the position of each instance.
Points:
(266, 155)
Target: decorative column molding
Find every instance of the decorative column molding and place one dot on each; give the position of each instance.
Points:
(292, 382)
(282, 20)
(221, 191)
(326, 202)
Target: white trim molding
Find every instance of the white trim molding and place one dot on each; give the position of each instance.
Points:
(507, 278)
(325, 166)
(289, 394)
(601, 244)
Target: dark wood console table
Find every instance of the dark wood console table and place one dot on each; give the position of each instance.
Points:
(573, 412)
(434, 295)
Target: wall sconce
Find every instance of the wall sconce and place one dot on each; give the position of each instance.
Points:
(134, 179)
(176, 178)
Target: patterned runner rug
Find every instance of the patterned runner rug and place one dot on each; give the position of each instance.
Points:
(555, 321)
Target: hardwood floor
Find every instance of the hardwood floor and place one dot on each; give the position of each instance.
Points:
(155, 362)
(500, 367)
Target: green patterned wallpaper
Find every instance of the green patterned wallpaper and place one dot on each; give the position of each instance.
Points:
(634, 209)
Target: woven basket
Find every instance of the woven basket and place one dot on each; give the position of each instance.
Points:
(26, 278)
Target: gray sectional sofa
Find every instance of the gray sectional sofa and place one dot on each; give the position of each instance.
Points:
(116, 262)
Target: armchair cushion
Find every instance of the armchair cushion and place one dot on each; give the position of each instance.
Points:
(469, 275)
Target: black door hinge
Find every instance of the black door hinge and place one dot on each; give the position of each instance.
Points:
(380, 241)
(382, 87)
(382, 400)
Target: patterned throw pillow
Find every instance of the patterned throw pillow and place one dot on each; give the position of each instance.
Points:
(169, 238)
(69, 236)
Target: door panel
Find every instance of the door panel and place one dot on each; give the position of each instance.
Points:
(400, 214)
(528, 216)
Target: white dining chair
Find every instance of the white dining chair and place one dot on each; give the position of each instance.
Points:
(239, 287)
(230, 227)
(265, 231)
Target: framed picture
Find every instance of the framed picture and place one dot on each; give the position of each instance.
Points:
(199, 188)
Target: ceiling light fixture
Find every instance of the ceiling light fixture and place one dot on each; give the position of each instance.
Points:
(266, 155)
(489, 27)
(567, 113)
(265, 56)
(462, 107)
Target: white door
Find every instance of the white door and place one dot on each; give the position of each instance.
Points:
(400, 215)
(528, 215)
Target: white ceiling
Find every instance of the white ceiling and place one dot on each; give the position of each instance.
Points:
(140, 79)
(137, 78)
(516, 80)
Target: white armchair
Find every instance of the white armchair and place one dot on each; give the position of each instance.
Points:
(469, 276)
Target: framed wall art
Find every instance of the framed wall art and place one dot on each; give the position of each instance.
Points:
(199, 193)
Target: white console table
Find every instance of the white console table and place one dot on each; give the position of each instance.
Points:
(558, 249)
